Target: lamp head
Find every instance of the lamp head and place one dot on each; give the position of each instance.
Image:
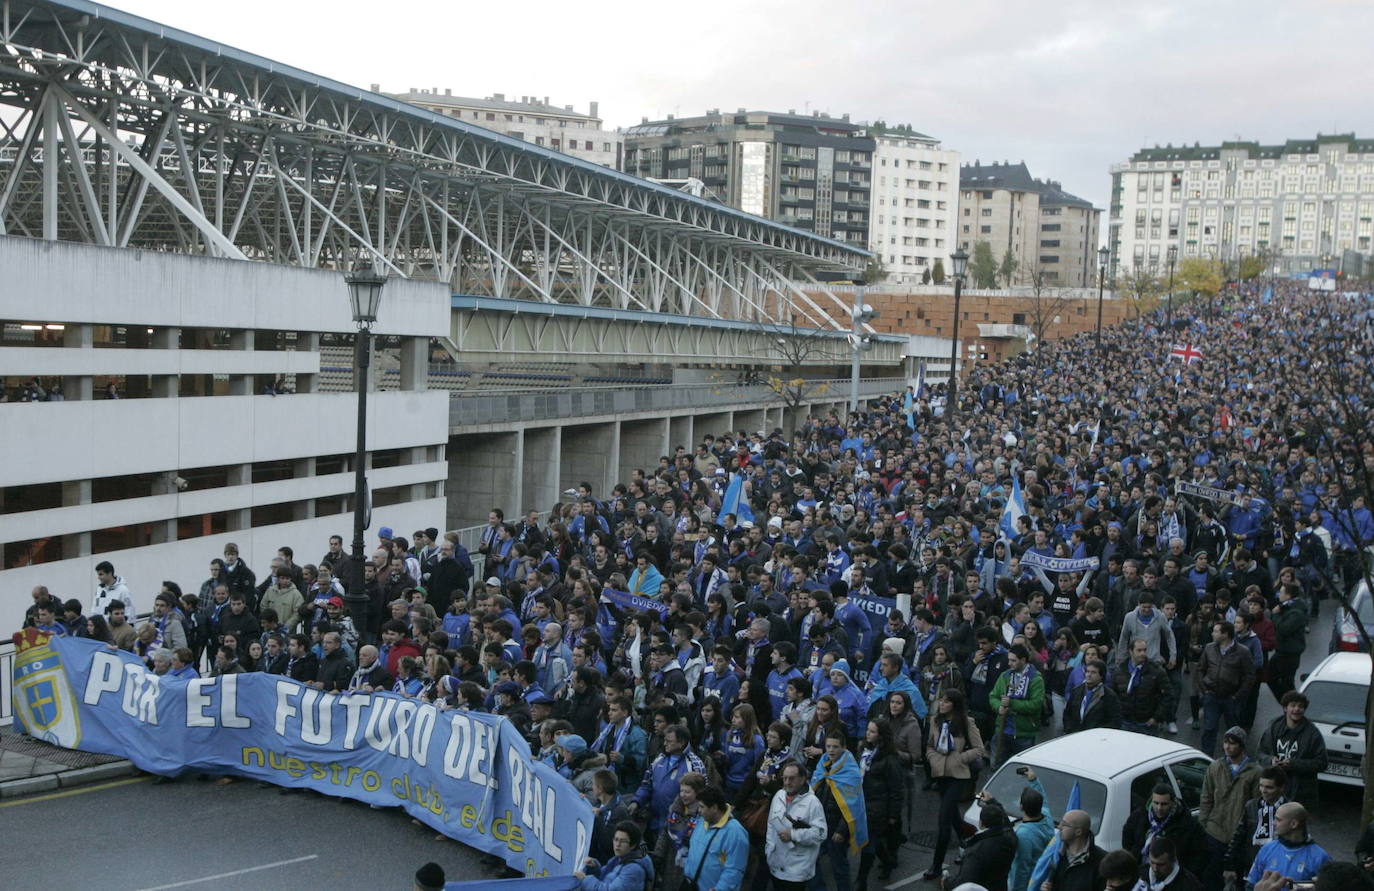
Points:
(365, 284)
(959, 259)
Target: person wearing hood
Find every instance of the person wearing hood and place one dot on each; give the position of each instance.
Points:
(1231, 780)
(988, 854)
(1164, 816)
(853, 703)
(1295, 744)
(1292, 854)
(578, 763)
(630, 869)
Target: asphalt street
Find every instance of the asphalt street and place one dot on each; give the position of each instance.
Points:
(132, 835)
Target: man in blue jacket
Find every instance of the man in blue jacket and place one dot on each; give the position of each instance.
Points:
(719, 848)
(660, 784)
(1292, 854)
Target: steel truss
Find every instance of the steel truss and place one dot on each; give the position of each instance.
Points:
(116, 131)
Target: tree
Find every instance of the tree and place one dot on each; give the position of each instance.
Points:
(876, 270)
(1201, 276)
(796, 348)
(1006, 273)
(1252, 266)
(925, 275)
(937, 272)
(1142, 288)
(1047, 300)
(982, 268)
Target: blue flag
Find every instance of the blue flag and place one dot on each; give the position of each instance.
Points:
(1268, 295)
(1050, 859)
(734, 501)
(909, 410)
(1016, 507)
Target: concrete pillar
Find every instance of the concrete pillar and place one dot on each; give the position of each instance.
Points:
(681, 432)
(164, 531)
(74, 493)
(642, 443)
(417, 455)
(240, 475)
(541, 468)
(307, 342)
(303, 468)
(166, 385)
(241, 384)
(78, 337)
(414, 363)
(587, 454)
(484, 471)
(714, 423)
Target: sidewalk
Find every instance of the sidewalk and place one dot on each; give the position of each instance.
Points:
(29, 766)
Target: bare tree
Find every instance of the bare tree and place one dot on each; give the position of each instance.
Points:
(1047, 300)
(796, 349)
(1142, 287)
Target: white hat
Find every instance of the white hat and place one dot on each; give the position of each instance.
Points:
(775, 522)
(494, 582)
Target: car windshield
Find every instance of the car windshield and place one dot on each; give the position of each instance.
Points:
(1006, 787)
(1333, 703)
(1364, 607)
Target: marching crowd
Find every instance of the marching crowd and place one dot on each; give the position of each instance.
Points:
(694, 652)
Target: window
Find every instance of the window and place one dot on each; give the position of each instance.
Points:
(984, 230)
(1049, 243)
(490, 116)
(1189, 775)
(986, 212)
(1018, 318)
(1049, 258)
(1006, 787)
(1049, 227)
(1142, 787)
(986, 195)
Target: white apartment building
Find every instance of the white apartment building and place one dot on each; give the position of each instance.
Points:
(531, 119)
(915, 202)
(194, 453)
(1302, 205)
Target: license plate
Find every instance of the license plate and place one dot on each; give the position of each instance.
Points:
(1344, 770)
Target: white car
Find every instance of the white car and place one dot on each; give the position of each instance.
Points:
(1116, 771)
(1336, 692)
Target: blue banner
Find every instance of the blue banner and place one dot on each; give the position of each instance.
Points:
(876, 608)
(1031, 560)
(467, 775)
(626, 600)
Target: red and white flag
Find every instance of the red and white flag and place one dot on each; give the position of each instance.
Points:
(1186, 352)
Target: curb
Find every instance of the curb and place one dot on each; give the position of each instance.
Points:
(66, 779)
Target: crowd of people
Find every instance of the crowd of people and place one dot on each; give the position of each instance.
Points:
(693, 650)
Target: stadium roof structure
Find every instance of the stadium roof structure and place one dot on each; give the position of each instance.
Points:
(120, 131)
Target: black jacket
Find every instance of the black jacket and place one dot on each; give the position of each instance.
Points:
(268, 665)
(1150, 697)
(1080, 874)
(988, 856)
(303, 669)
(1184, 881)
(1181, 826)
(1305, 750)
(1240, 852)
(884, 784)
(1103, 711)
(446, 577)
(584, 712)
(335, 671)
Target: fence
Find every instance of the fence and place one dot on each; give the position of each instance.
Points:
(583, 402)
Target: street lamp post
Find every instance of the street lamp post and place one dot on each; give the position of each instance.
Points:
(859, 315)
(365, 295)
(1173, 257)
(959, 259)
(1102, 255)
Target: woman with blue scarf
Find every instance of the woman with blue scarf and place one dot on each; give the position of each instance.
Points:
(838, 783)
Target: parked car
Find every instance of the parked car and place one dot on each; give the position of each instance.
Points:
(1116, 770)
(1345, 636)
(1336, 691)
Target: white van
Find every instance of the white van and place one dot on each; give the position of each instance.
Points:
(1336, 692)
(1116, 771)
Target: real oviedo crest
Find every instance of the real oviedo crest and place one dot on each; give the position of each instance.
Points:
(43, 700)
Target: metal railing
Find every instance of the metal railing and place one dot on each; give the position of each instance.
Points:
(582, 402)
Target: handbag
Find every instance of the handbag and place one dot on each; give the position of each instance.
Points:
(753, 816)
(691, 884)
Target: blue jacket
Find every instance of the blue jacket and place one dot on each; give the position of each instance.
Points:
(660, 784)
(856, 626)
(741, 756)
(721, 850)
(1031, 841)
(632, 873)
(777, 688)
(853, 708)
(882, 688)
(725, 686)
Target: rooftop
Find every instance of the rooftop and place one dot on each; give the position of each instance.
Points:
(494, 102)
(1251, 149)
(713, 118)
(1106, 753)
(1017, 178)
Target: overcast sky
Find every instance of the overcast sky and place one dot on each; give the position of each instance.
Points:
(1069, 86)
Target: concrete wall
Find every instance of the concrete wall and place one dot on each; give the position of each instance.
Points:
(485, 471)
(591, 453)
(642, 443)
(543, 468)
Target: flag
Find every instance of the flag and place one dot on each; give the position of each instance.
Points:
(1268, 296)
(734, 502)
(1097, 429)
(1186, 352)
(1050, 859)
(1016, 507)
(909, 410)
(921, 380)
